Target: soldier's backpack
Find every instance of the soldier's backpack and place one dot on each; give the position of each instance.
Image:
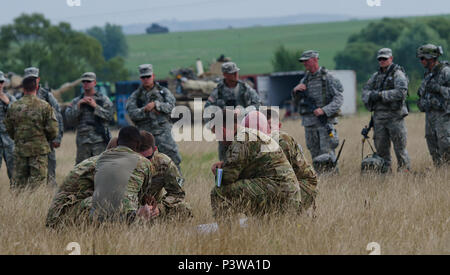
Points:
(374, 163)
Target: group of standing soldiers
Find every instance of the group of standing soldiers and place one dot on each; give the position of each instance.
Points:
(287, 177)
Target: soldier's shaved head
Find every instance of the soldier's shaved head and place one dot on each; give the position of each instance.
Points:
(147, 141)
(256, 120)
(130, 137)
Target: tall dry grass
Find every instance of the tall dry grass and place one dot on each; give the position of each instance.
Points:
(404, 213)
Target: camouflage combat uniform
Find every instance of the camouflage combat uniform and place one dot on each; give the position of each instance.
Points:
(47, 96)
(389, 112)
(436, 105)
(78, 185)
(122, 179)
(7, 144)
(171, 203)
(327, 93)
(306, 176)
(91, 125)
(32, 124)
(157, 122)
(242, 95)
(257, 178)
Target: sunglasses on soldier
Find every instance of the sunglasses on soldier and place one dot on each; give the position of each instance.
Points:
(382, 59)
(86, 81)
(145, 76)
(1, 81)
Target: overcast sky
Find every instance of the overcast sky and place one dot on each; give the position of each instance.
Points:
(124, 12)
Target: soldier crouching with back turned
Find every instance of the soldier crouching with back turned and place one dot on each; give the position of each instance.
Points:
(90, 113)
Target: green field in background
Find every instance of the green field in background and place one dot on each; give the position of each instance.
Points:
(252, 48)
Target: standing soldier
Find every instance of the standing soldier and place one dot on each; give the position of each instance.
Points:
(385, 95)
(232, 92)
(32, 124)
(90, 113)
(319, 97)
(434, 100)
(47, 96)
(7, 144)
(150, 107)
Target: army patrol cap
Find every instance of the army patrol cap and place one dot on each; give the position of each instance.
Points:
(90, 76)
(384, 53)
(429, 51)
(229, 68)
(145, 70)
(306, 55)
(31, 72)
(2, 76)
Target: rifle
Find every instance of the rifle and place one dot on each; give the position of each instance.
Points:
(365, 133)
(310, 105)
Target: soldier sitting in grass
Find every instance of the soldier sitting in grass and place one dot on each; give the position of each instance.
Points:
(257, 177)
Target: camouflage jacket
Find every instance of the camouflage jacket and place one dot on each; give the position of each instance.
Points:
(259, 156)
(393, 93)
(4, 138)
(157, 121)
(48, 97)
(222, 97)
(306, 176)
(88, 121)
(32, 124)
(166, 178)
(77, 186)
(437, 101)
(122, 179)
(327, 93)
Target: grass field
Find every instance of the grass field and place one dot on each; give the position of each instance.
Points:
(251, 48)
(404, 213)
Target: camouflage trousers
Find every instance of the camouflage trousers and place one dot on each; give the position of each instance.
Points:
(252, 197)
(7, 153)
(51, 174)
(166, 145)
(87, 150)
(30, 171)
(319, 142)
(68, 208)
(387, 131)
(437, 134)
(308, 194)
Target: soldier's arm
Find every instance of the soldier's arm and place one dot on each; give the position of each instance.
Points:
(168, 104)
(148, 170)
(12, 99)
(73, 112)
(444, 82)
(9, 123)
(368, 88)
(105, 112)
(50, 124)
(135, 113)
(56, 108)
(255, 100)
(338, 99)
(212, 99)
(400, 89)
(174, 187)
(236, 159)
(421, 101)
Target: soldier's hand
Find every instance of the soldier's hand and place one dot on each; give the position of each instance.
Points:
(56, 144)
(300, 88)
(81, 101)
(318, 112)
(215, 166)
(4, 98)
(149, 106)
(91, 102)
(375, 96)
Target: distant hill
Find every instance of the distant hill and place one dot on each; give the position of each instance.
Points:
(213, 24)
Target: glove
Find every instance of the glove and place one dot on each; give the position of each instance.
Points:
(433, 87)
(375, 96)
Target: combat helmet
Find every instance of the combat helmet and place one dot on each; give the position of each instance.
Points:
(429, 51)
(374, 163)
(324, 163)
